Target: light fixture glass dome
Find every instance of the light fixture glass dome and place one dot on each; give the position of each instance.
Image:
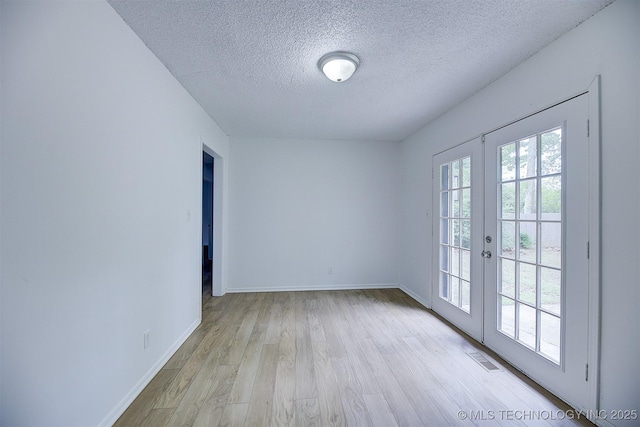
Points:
(338, 66)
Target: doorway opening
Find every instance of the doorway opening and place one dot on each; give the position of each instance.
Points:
(207, 223)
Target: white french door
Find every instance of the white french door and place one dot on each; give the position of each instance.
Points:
(457, 229)
(510, 251)
(536, 213)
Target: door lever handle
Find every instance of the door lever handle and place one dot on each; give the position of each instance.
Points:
(486, 254)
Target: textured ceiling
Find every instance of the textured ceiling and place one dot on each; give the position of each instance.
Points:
(252, 64)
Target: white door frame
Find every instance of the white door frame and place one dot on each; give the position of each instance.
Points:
(217, 288)
(595, 230)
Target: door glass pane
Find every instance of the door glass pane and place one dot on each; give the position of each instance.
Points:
(455, 291)
(466, 234)
(455, 203)
(466, 203)
(527, 325)
(444, 231)
(551, 244)
(551, 285)
(507, 239)
(506, 316)
(466, 172)
(444, 258)
(527, 248)
(465, 265)
(508, 278)
(551, 198)
(508, 162)
(465, 295)
(530, 241)
(455, 174)
(455, 232)
(551, 160)
(508, 200)
(527, 288)
(444, 177)
(444, 285)
(550, 336)
(528, 197)
(444, 204)
(527, 156)
(455, 262)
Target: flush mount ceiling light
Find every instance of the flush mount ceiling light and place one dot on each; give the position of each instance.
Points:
(338, 66)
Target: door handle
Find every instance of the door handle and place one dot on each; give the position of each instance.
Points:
(486, 254)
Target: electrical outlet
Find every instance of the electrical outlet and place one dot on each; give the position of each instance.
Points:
(330, 270)
(147, 339)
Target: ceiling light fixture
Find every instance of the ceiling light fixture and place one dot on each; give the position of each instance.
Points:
(338, 66)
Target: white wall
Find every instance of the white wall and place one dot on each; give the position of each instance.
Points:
(101, 155)
(298, 207)
(607, 44)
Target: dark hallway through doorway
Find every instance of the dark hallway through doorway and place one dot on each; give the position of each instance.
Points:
(207, 223)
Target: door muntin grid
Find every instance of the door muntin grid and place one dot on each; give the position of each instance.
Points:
(455, 233)
(530, 259)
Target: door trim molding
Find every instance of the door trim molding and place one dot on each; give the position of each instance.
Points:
(595, 289)
(218, 267)
(536, 112)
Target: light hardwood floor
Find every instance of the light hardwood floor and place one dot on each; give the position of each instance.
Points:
(332, 358)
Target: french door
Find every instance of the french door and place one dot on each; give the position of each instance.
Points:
(527, 245)
(457, 270)
(536, 301)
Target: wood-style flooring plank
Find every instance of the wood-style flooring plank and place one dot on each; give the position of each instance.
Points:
(264, 304)
(174, 393)
(245, 380)
(332, 322)
(350, 390)
(234, 415)
(180, 357)
(307, 413)
(240, 340)
(315, 324)
(305, 387)
(216, 400)
(379, 411)
(429, 396)
(200, 389)
(331, 358)
(287, 341)
(143, 405)
(353, 332)
(156, 418)
(398, 401)
(274, 325)
(261, 401)
(329, 402)
(283, 397)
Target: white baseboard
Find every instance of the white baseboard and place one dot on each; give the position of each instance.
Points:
(245, 289)
(113, 416)
(601, 422)
(415, 296)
